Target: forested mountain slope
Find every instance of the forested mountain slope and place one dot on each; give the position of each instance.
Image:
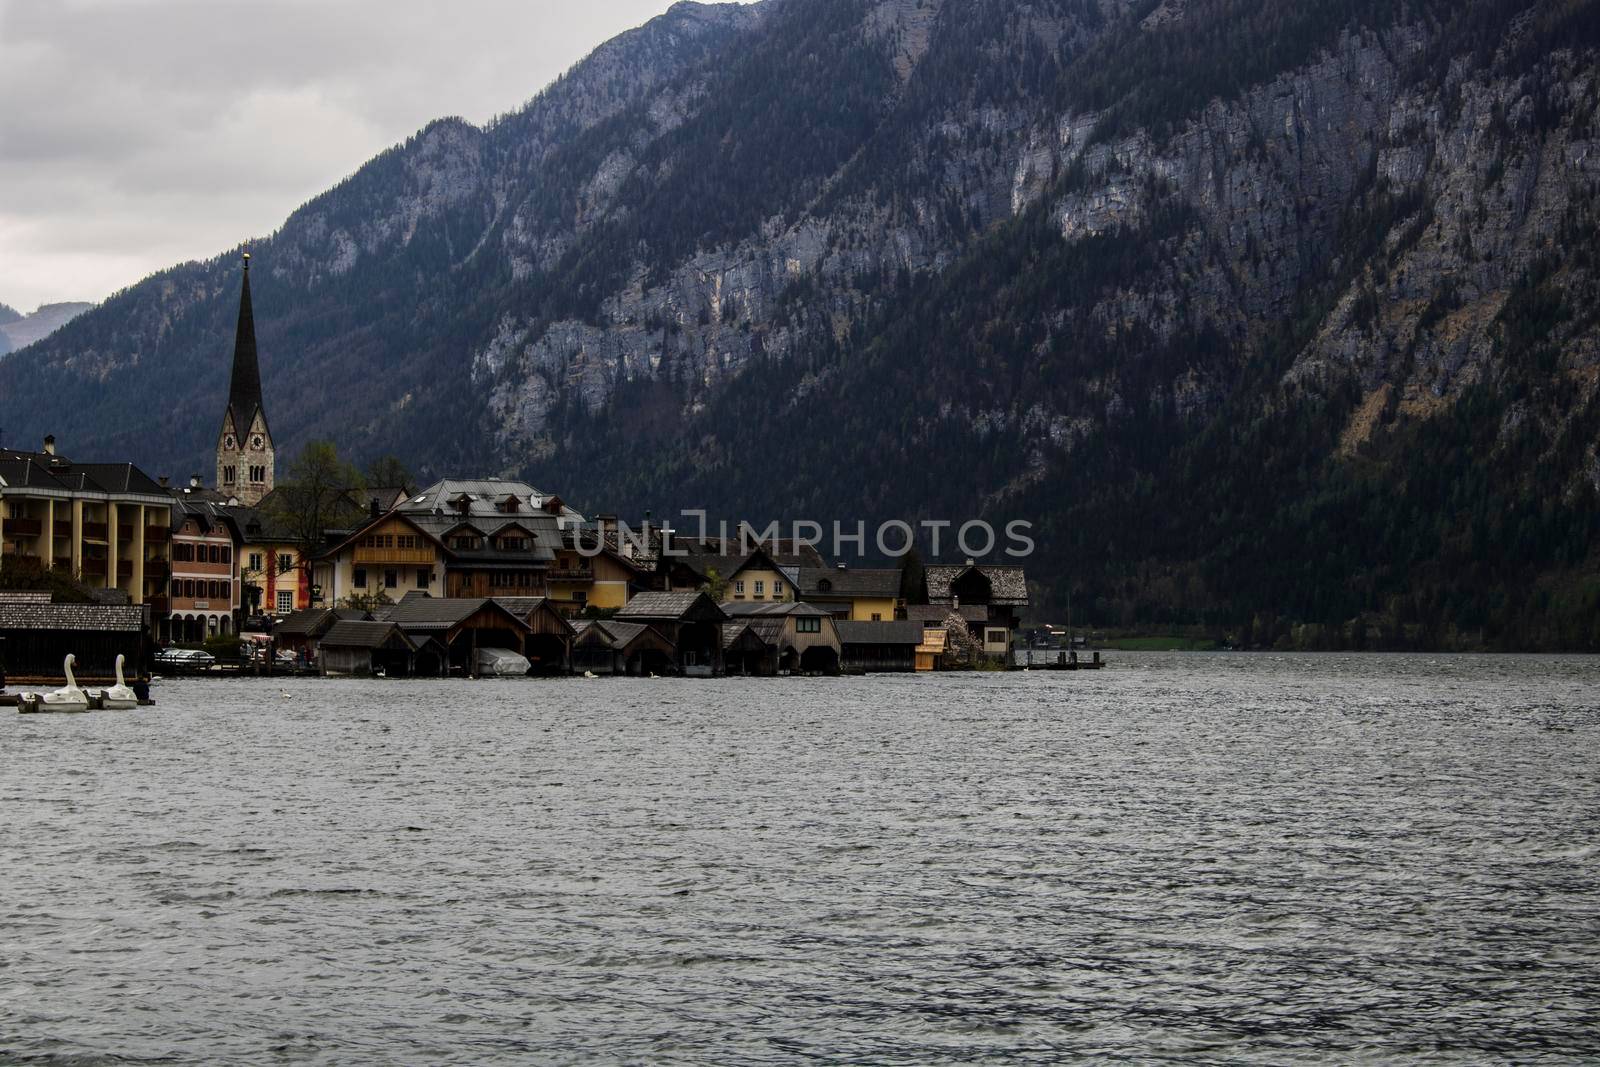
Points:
(1275, 317)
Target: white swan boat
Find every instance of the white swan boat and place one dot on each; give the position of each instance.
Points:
(119, 697)
(69, 699)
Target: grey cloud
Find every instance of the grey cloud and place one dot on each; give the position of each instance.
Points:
(137, 133)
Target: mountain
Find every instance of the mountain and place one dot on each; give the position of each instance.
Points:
(1274, 318)
(18, 330)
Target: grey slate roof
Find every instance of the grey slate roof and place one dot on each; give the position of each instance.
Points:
(309, 622)
(42, 471)
(439, 613)
(659, 606)
(1009, 585)
(853, 581)
(120, 618)
(363, 635)
(879, 633)
(783, 609)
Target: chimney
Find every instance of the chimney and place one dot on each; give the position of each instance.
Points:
(166, 483)
(49, 444)
(194, 481)
(843, 567)
(373, 508)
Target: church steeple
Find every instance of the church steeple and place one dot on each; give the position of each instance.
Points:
(244, 391)
(245, 455)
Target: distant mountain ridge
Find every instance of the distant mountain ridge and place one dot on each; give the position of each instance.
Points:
(1273, 317)
(18, 330)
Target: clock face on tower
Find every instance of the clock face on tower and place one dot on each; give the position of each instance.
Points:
(256, 441)
(229, 443)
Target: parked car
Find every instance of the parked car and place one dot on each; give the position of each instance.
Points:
(184, 659)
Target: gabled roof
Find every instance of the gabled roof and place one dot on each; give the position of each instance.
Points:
(312, 622)
(366, 635)
(672, 607)
(1008, 585)
(850, 582)
(482, 496)
(622, 636)
(782, 609)
(729, 556)
(340, 541)
(763, 632)
(32, 615)
(525, 607)
(440, 613)
(879, 633)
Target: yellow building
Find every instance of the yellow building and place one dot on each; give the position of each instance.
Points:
(109, 525)
(856, 594)
(595, 576)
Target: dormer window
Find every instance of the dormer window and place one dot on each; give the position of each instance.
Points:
(510, 505)
(824, 586)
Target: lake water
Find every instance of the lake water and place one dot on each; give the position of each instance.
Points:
(1187, 857)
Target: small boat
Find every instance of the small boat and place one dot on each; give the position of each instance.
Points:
(119, 697)
(69, 699)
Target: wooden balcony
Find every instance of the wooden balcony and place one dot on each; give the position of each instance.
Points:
(63, 529)
(95, 568)
(95, 531)
(124, 535)
(415, 557)
(570, 574)
(157, 535)
(124, 569)
(159, 606)
(157, 568)
(24, 527)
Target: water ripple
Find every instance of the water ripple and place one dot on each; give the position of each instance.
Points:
(1186, 858)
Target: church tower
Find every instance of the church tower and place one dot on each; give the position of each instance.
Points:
(245, 456)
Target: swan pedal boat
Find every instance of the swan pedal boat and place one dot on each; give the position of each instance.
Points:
(72, 700)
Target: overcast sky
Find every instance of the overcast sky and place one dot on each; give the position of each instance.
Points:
(135, 134)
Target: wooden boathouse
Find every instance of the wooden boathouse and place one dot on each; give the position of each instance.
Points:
(36, 635)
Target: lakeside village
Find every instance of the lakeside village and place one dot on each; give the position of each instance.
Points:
(464, 577)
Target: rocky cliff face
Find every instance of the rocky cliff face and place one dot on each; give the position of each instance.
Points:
(904, 257)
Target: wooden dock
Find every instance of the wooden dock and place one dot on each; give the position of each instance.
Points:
(1055, 659)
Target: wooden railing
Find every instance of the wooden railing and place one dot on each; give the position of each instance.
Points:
(95, 531)
(24, 527)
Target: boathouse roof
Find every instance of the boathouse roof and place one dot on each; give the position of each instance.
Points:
(673, 607)
(32, 615)
(879, 633)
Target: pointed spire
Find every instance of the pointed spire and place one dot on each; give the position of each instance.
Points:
(244, 391)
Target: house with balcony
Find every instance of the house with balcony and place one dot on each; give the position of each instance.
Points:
(108, 525)
(500, 537)
(595, 568)
(380, 561)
